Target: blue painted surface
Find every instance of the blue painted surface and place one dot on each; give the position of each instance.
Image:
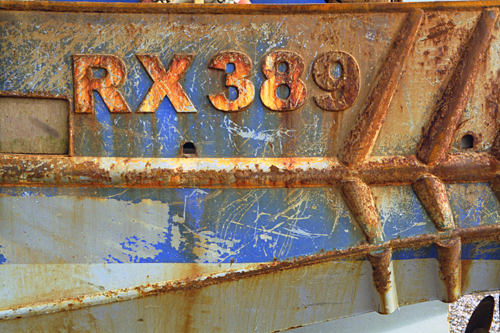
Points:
(200, 225)
(254, 132)
(487, 250)
(473, 204)
(184, 225)
(197, 225)
(427, 252)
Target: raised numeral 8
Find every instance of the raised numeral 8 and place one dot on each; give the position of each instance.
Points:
(289, 76)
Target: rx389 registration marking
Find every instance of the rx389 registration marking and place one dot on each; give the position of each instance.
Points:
(279, 68)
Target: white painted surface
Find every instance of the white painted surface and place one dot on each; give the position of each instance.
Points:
(429, 317)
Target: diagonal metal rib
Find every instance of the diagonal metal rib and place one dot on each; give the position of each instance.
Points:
(359, 199)
(431, 192)
(369, 122)
(438, 135)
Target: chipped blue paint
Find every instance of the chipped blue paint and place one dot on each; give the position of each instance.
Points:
(2, 257)
(168, 225)
(200, 225)
(485, 250)
(473, 204)
(401, 213)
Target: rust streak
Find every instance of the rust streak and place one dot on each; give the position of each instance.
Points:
(495, 185)
(362, 137)
(431, 192)
(359, 199)
(449, 267)
(438, 136)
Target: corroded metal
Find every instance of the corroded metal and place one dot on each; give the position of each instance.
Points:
(204, 199)
(360, 142)
(86, 83)
(432, 193)
(207, 172)
(449, 267)
(384, 281)
(438, 136)
(289, 76)
(346, 85)
(166, 82)
(359, 199)
(237, 79)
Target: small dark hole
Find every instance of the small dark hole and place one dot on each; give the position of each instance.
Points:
(282, 67)
(230, 68)
(189, 149)
(233, 93)
(98, 72)
(467, 142)
(283, 91)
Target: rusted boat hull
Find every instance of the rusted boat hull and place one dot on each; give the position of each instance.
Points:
(162, 200)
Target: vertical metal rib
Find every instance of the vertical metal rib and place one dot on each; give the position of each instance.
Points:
(383, 279)
(449, 268)
(432, 193)
(359, 199)
(368, 124)
(438, 135)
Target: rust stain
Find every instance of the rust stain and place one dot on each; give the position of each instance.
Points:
(359, 199)
(438, 136)
(441, 29)
(85, 83)
(237, 79)
(344, 89)
(381, 272)
(432, 193)
(362, 137)
(449, 267)
(166, 82)
(289, 76)
(465, 267)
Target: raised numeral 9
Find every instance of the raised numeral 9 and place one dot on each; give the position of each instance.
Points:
(343, 84)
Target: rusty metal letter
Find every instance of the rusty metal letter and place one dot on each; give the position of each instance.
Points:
(289, 77)
(246, 90)
(166, 82)
(344, 89)
(86, 83)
